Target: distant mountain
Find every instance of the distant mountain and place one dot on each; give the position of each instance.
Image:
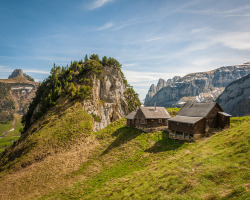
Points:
(236, 97)
(16, 93)
(198, 87)
(19, 72)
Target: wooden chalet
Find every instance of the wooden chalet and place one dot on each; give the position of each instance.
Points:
(195, 119)
(148, 117)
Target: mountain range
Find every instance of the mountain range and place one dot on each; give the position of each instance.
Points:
(198, 87)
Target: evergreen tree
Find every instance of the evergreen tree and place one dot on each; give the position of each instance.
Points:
(95, 57)
(104, 61)
(86, 58)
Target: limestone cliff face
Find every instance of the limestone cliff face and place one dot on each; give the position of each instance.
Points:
(108, 101)
(204, 86)
(235, 99)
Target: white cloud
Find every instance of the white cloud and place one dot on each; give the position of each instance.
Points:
(98, 4)
(5, 69)
(153, 39)
(35, 71)
(105, 26)
(136, 76)
(201, 30)
(129, 64)
(235, 40)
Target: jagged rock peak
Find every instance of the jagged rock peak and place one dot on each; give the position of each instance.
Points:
(16, 73)
(19, 72)
(161, 83)
(153, 88)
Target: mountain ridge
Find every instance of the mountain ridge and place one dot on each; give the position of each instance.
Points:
(236, 97)
(207, 85)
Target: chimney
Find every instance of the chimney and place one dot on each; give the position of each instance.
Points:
(155, 106)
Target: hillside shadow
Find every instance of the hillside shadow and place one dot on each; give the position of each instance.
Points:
(124, 135)
(165, 144)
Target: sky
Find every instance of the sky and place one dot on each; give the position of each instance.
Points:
(151, 39)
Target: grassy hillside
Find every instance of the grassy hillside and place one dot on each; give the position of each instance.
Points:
(120, 162)
(8, 138)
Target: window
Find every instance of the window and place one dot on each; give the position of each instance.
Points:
(160, 120)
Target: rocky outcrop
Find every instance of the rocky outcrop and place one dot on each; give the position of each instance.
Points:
(102, 91)
(203, 86)
(235, 99)
(108, 101)
(16, 73)
(19, 72)
(16, 94)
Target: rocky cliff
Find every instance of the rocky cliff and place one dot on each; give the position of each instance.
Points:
(99, 86)
(108, 101)
(202, 86)
(16, 93)
(236, 97)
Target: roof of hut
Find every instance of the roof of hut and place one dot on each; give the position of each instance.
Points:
(225, 114)
(185, 119)
(155, 113)
(131, 115)
(196, 109)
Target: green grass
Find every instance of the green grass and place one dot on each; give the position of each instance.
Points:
(11, 136)
(151, 166)
(7, 142)
(5, 126)
(173, 111)
(127, 163)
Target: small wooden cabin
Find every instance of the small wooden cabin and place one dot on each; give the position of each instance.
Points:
(148, 117)
(195, 119)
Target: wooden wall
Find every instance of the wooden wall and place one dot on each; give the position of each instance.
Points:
(224, 121)
(148, 123)
(197, 128)
(212, 117)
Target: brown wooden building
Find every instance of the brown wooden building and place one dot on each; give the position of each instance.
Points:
(195, 119)
(148, 117)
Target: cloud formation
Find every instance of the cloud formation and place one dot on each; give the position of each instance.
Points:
(98, 3)
(105, 26)
(36, 71)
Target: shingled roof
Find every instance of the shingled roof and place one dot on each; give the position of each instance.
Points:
(152, 113)
(185, 119)
(196, 109)
(131, 115)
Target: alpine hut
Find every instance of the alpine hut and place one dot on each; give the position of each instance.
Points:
(195, 119)
(148, 117)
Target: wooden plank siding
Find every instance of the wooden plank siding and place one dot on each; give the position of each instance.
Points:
(212, 117)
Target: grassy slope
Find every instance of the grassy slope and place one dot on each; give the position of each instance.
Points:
(12, 136)
(51, 150)
(120, 162)
(135, 165)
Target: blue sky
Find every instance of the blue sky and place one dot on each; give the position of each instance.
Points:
(151, 39)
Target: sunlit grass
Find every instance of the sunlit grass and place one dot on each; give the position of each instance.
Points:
(121, 162)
